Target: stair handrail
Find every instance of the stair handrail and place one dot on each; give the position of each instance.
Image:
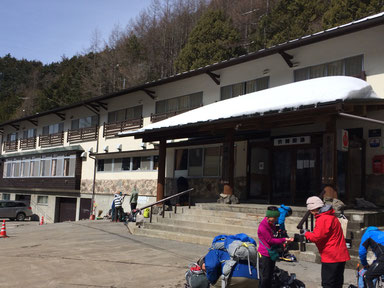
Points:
(162, 201)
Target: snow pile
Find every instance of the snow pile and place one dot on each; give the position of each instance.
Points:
(290, 96)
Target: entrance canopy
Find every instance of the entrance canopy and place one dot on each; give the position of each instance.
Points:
(314, 94)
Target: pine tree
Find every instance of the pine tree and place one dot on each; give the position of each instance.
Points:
(213, 39)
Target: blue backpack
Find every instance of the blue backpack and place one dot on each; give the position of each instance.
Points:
(240, 247)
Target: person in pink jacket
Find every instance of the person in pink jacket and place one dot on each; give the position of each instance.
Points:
(265, 234)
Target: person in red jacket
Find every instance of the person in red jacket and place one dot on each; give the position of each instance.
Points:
(329, 239)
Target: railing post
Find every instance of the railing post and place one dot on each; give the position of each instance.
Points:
(175, 208)
(189, 200)
(150, 215)
(163, 209)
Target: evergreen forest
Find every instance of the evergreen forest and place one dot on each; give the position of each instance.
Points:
(168, 37)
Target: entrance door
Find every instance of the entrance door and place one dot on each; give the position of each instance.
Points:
(66, 209)
(356, 170)
(295, 175)
(259, 180)
(85, 208)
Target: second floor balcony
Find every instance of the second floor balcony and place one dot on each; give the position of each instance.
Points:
(83, 134)
(28, 143)
(51, 139)
(10, 146)
(112, 129)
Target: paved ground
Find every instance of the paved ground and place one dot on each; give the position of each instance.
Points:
(104, 254)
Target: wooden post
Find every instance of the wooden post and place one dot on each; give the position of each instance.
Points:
(161, 170)
(228, 164)
(330, 154)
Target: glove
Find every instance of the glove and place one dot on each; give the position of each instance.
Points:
(303, 231)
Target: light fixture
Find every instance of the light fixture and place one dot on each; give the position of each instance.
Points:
(83, 155)
(143, 145)
(119, 147)
(106, 148)
(266, 71)
(90, 150)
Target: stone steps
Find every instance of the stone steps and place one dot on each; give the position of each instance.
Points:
(201, 223)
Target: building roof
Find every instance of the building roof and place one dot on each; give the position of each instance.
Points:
(354, 26)
(314, 92)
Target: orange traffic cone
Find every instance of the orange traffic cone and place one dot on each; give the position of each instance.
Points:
(42, 220)
(3, 233)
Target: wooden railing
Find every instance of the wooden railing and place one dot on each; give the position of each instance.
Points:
(51, 139)
(28, 143)
(167, 199)
(10, 146)
(162, 116)
(83, 134)
(112, 129)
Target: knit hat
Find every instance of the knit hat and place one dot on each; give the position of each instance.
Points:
(314, 202)
(272, 211)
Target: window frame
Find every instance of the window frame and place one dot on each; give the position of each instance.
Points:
(243, 87)
(36, 168)
(153, 164)
(326, 67)
(186, 172)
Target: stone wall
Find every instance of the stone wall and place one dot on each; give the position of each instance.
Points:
(207, 189)
(146, 187)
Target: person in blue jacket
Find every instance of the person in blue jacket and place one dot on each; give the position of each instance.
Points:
(240, 276)
(285, 211)
(373, 238)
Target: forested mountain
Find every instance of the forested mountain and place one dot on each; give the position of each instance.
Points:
(168, 37)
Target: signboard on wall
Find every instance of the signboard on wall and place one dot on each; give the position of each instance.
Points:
(342, 140)
(374, 133)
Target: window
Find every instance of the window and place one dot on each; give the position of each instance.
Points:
(25, 168)
(86, 122)
(30, 133)
(352, 66)
(185, 102)
(198, 162)
(45, 166)
(136, 161)
(6, 196)
(126, 164)
(53, 129)
(242, 88)
(104, 165)
(12, 137)
(69, 166)
(42, 200)
(145, 163)
(125, 114)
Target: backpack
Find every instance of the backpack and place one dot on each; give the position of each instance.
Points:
(195, 277)
(240, 247)
(282, 279)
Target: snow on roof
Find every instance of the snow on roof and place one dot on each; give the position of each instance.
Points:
(289, 96)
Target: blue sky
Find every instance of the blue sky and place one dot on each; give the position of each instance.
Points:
(45, 30)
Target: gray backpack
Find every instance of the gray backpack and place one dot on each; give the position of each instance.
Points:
(237, 250)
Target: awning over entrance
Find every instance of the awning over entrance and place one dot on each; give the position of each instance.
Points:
(314, 93)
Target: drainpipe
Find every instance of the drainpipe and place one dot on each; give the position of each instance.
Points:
(94, 166)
